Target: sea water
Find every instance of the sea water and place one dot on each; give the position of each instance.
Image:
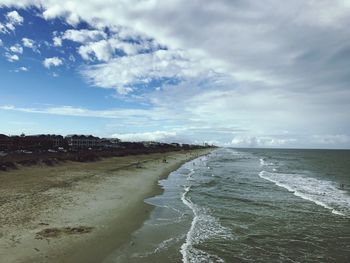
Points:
(249, 205)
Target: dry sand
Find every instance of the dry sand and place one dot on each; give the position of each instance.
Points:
(78, 212)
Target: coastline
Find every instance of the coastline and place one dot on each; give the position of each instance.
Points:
(79, 212)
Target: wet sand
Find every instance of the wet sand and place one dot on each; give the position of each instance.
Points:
(79, 212)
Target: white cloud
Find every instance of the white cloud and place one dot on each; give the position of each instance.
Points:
(11, 57)
(57, 41)
(104, 50)
(160, 136)
(17, 48)
(59, 9)
(143, 45)
(330, 139)
(95, 46)
(260, 141)
(1, 43)
(29, 43)
(13, 19)
(84, 35)
(23, 69)
(124, 72)
(83, 112)
(52, 62)
(10, 26)
(100, 50)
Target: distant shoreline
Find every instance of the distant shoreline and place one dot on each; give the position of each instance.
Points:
(79, 212)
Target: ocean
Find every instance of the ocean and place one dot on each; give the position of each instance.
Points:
(249, 205)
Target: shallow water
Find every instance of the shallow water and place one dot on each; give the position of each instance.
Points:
(249, 206)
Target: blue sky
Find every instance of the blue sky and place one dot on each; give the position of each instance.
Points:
(28, 84)
(233, 73)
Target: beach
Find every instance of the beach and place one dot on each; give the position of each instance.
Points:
(79, 212)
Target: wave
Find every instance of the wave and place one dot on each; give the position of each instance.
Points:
(203, 227)
(159, 248)
(164, 245)
(265, 163)
(321, 192)
(188, 243)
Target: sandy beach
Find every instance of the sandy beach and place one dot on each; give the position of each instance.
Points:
(79, 212)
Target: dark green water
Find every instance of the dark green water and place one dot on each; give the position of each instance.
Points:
(240, 205)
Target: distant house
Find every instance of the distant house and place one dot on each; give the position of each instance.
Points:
(186, 146)
(57, 141)
(132, 145)
(150, 144)
(5, 142)
(82, 141)
(109, 143)
(40, 142)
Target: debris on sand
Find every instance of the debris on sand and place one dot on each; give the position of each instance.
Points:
(57, 232)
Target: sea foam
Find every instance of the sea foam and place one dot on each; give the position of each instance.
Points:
(265, 163)
(321, 192)
(203, 227)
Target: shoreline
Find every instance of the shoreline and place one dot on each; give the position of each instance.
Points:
(79, 212)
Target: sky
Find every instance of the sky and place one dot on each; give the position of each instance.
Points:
(230, 72)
